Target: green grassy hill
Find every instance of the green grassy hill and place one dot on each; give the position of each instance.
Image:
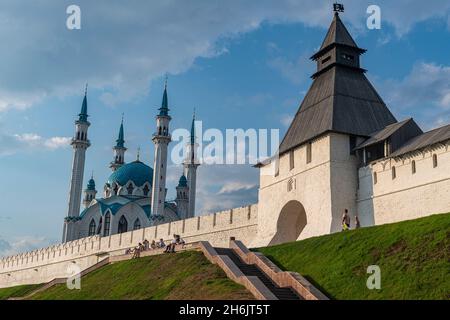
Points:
(19, 291)
(414, 257)
(186, 275)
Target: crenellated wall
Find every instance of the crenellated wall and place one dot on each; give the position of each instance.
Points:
(57, 261)
(384, 197)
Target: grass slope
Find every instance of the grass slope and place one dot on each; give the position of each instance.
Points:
(414, 257)
(186, 275)
(19, 291)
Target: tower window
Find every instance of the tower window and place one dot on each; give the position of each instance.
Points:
(348, 57)
(123, 225)
(413, 167)
(146, 190)
(309, 152)
(107, 224)
(435, 161)
(291, 160)
(375, 178)
(130, 189)
(326, 60)
(394, 173)
(99, 228)
(92, 228)
(137, 224)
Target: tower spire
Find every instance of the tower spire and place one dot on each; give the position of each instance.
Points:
(161, 139)
(193, 129)
(119, 149)
(80, 143)
(120, 140)
(83, 114)
(164, 110)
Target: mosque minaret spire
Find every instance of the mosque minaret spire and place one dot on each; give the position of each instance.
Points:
(191, 164)
(161, 140)
(80, 143)
(119, 150)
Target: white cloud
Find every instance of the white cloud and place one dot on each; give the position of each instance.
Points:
(218, 189)
(23, 244)
(425, 90)
(123, 45)
(28, 142)
(230, 187)
(296, 71)
(286, 120)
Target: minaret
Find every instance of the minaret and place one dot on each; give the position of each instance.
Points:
(182, 197)
(191, 164)
(161, 139)
(119, 150)
(89, 192)
(79, 143)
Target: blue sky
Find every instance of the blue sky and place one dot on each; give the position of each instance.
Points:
(241, 64)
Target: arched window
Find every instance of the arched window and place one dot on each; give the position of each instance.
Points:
(159, 131)
(394, 173)
(130, 189)
(413, 167)
(99, 228)
(78, 135)
(92, 228)
(435, 161)
(137, 224)
(146, 190)
(107, 224)
(116, 189)
(123, 225)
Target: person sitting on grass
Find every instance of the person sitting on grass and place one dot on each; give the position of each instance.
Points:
(146, 244)
(153, 245)
(161, 244)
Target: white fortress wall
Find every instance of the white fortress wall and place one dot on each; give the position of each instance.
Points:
(46, 264)
(409, 195)
(296, 203)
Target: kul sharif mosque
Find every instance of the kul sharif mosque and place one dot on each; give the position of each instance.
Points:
(134, 196)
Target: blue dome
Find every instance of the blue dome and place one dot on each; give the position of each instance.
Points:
(136, 171)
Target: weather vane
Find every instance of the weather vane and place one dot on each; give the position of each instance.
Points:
(338, 7)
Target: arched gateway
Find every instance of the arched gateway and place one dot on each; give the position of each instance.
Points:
(290, 224)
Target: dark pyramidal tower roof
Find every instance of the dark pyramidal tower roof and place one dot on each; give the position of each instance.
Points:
(341, 99)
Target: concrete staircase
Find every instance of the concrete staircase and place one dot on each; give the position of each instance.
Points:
(253, 270)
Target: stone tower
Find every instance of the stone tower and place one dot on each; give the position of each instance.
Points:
(89, 193)
(79, 143)
(161, 139)
(119, 150)
(191, 164)
(182, 197)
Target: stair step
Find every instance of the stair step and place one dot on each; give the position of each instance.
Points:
(253, 270)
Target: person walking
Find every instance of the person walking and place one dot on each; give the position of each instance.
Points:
(345, 221)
